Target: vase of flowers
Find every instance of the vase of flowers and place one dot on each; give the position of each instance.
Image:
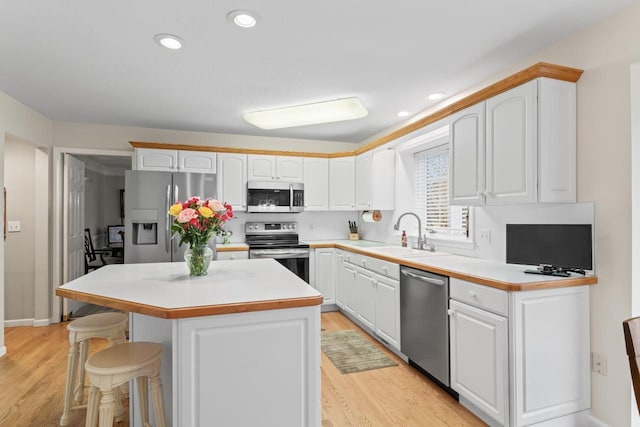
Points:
(196, 221)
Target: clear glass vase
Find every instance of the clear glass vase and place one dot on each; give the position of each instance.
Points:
(198, 258)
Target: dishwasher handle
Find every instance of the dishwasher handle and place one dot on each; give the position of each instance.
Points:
(431, 281)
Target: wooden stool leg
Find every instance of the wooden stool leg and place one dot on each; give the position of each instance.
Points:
(92, 407)
(119, 405)
(84, 353)
(72, 362)
(107, 407)
(156, 395)
(124, 388)
(143, 394)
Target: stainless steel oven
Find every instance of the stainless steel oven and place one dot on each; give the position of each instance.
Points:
(279, 241)
(275, 196)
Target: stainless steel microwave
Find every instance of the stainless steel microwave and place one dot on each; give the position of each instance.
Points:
(275, 196)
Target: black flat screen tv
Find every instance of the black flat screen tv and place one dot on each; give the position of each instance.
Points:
(561, 245)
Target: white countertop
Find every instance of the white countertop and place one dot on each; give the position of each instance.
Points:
(486, 272)
(167, 286)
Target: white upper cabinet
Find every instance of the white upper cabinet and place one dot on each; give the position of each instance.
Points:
(517, 147)
(150, 159)
(342, 184)
(375, 180)
(272, 168)
(197, 161)
(467, 156)
(511, 146)
(316, 184)
(232, 180)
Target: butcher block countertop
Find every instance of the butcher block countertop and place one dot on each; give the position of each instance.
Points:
(165, 290)
(508, 277)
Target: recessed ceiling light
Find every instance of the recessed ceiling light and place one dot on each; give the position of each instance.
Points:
(402, 113)
(169, 41)
(436, 96)
(308, 114)
(243, 18)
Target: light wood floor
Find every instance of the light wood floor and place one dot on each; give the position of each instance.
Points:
(33, 371)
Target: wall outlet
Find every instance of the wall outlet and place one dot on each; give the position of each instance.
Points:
(598, 363)
(13, 226)
(485, 235)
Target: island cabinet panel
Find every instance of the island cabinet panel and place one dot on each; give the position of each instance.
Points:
(270, 358)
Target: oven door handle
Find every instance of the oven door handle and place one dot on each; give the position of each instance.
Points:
(279, 254)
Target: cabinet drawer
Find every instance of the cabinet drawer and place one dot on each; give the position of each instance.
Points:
(384, 268)
(490, 299)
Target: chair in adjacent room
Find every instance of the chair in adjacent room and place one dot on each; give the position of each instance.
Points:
(94, 258)
(631, 329)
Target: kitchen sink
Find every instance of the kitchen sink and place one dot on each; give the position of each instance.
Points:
(399, 251)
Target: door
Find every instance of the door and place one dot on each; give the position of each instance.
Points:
(289, 168)
(342, 184)
(324, 274)
(73, 225)
(316, 184)
(185, 186)
(365, 297)
(467, 173)
(197, 161)
(512, 138)
(479, 368)
(363, 181)
(261, 168)
(232, 180)
(388, 310)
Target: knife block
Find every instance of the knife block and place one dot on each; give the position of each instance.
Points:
(354, 236)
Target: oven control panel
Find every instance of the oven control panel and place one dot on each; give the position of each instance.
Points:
(270, 227)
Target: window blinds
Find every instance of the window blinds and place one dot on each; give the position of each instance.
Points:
(432, 194)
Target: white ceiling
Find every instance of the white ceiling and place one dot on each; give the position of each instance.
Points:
(96, 61)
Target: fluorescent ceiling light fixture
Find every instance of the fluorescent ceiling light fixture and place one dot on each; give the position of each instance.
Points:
(169, 41)
(402, 113)
(436, 96)
(243, 18)
(308, 114)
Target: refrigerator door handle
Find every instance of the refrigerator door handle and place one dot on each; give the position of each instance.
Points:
(167, 233)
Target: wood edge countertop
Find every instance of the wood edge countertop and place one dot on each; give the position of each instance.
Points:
(235, 247)
(188, 312)
(498, 284)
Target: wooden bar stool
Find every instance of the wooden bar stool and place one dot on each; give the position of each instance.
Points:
(114, 366)
(110, 326)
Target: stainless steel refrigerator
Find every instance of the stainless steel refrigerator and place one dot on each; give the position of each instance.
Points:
(147, 197)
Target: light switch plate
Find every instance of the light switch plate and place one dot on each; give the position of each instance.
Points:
(13, 226)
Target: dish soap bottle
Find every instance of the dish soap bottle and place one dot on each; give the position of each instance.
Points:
(404, 239)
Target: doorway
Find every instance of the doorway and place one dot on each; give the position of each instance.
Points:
(102, 180)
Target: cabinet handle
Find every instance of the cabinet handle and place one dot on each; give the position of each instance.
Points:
(384, 268)
(450, 312)
(473, 295)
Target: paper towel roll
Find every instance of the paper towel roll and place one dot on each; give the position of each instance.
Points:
(371, 216)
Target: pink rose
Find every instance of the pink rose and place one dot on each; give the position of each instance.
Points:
(216, 206)
(187, 215)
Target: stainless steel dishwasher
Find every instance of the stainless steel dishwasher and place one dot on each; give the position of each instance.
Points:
(424, 323)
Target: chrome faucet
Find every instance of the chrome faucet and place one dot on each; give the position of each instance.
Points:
(422, 239)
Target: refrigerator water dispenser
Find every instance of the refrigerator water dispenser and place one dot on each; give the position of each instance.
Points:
(145, 233)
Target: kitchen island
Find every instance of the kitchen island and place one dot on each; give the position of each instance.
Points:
(241, 346)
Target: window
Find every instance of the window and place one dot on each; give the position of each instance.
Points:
(432, 195)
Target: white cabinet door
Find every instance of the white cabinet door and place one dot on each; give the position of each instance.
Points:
(197, 161)
(338, 267)
(316, 184)
(349, 288)
(556, 140)
(479, 359)
(232, 180)
(324, 274)
(363, 181)
(366, 297)
(383, 180)
(467, 173)
(221, 256)
(511, 146)
(342, 184)
(289, 168)
(388, 310)
(150, 159)
(261, 168)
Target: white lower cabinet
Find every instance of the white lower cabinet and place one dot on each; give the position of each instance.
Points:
(479, 359)
(221, 256)
(521, 358)
(323, 276)
(368, 291)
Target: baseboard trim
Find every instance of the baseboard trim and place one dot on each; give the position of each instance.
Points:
(18, 322)
(41, 322)
(3, 351)
(594, 422)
